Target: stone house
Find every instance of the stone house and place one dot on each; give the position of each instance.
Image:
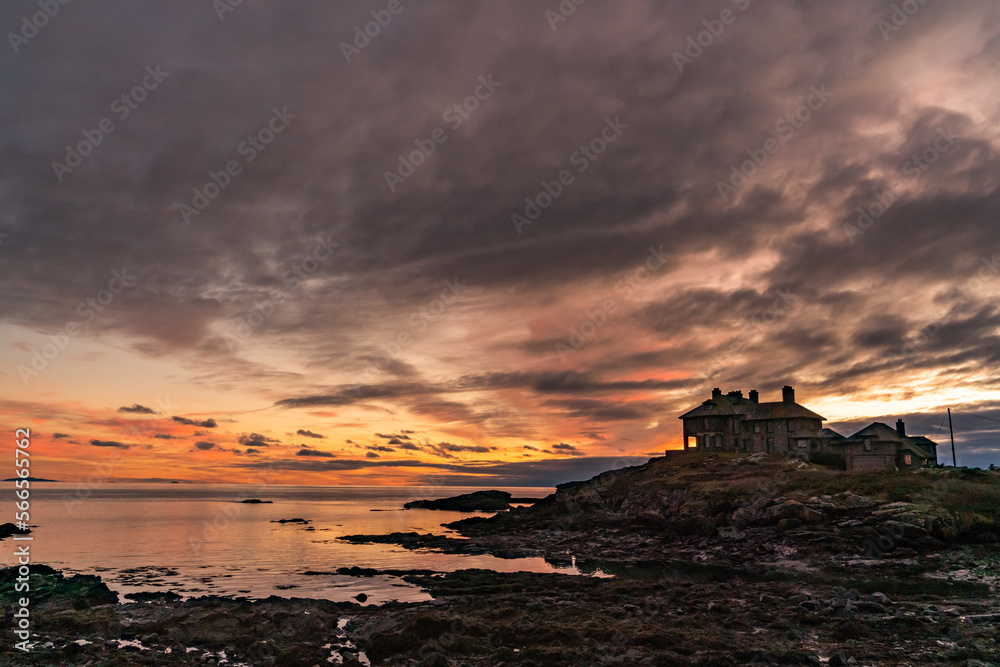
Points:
(731, 423)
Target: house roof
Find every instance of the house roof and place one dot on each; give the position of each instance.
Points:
(725, 406)
(917, 444)
(879, 431)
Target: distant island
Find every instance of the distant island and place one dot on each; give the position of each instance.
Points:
(30, 479)
(489, 501)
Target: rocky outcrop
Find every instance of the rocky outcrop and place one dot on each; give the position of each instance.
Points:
(9, 529)
(487, 501)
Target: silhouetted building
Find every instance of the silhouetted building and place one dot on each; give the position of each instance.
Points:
(731, 423)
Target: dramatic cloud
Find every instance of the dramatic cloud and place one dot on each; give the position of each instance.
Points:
(257, 440)
(138, 409)
(306, 451)
(563, 448)
(310, 434)
(110, 443)
(208, 423)
(60, 435)
(204, 445)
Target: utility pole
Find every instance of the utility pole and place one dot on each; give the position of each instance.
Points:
(954, 461)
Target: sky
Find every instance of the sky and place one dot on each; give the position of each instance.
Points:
(488, 243)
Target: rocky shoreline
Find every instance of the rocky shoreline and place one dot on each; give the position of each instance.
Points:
(710, 561)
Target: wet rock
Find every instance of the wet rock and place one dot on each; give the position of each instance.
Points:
(880, 598)
(153, 596)
(256, 501)
(789, 524)
(361, 597)
(870, 607)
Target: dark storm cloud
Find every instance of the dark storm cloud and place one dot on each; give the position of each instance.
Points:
(306, 451)
(522, 473)
(208, 423)
(257, 440)
(446, 449)
(138, 409)
(204, 445)
(110, 443)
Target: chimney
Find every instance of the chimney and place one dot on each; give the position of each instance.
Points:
(716, 393)
(754, 397)
(900, 428)
(787, 394)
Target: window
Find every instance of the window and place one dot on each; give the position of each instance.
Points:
(756, 427)
(718, 442)
(770, 427)
(868, 445)
(704, 424)
(907, 459)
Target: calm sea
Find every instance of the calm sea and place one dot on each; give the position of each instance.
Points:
(199, 539)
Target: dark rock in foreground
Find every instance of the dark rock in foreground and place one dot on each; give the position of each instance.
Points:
(256, 501)
(487, 501)
(153, 596)
(295, 520)
(81, 591)
(484, 618)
